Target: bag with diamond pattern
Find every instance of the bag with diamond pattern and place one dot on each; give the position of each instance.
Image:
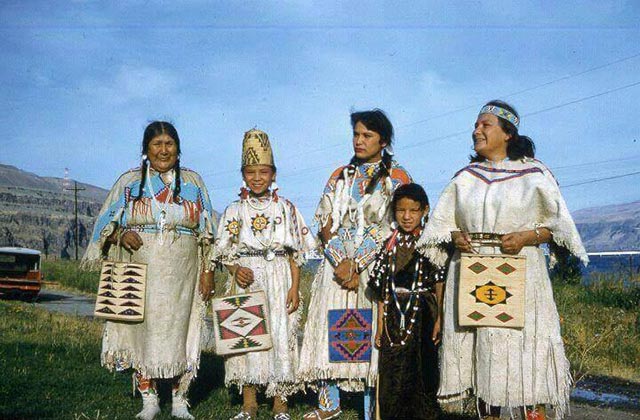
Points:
(350, 334)
(491, 289)
(240, 322)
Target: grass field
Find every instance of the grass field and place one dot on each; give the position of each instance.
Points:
(51, 368)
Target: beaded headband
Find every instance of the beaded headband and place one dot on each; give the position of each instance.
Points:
(501, 113)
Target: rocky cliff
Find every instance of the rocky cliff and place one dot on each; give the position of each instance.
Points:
(610, 228)
(37, 212)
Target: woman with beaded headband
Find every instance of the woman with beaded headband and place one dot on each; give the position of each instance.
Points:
(262, 240)
(161, 215)
(353, 216)
(505, 202)
(409, 289)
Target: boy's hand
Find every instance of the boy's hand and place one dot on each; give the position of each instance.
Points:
(436, 335)
(293, 300)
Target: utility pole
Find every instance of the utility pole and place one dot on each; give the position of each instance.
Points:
(75, 190)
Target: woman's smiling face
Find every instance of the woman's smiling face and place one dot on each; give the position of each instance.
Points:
(162, 153)
(489, 139)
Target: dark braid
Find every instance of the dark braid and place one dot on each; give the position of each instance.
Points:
(375, 120)
(176, 189)
(384, 170)
(143, 178)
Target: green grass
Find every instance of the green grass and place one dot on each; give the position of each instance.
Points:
(601, 328)
(66, 274)
(51, 368)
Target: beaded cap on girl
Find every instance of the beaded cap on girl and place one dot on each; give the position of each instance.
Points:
(256, 149)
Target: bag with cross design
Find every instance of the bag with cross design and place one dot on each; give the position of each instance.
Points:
(491, 290)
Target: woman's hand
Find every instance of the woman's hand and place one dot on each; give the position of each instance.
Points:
(436, 335)
(244, 276)
(353, 282)
(462, 241)
(131, 241)
(513, 242)
(377, 341)
(344, 270)
(293, 300)
(206, 285)
(325, 231)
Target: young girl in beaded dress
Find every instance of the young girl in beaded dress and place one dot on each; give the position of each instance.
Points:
(409, 291)
(262, 241)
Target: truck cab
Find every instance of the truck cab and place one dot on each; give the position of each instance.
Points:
(20, 274)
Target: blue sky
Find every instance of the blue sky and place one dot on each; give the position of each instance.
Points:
(81, 79)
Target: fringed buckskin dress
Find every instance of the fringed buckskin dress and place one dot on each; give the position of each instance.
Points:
(504, 366)
(361, 223)
(248, 229)
(167, 343)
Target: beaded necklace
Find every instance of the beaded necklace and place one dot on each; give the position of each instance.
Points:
(161, 208)
(269, 254)
(391, 295)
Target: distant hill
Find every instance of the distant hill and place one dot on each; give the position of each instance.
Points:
(10, 176)
(37, 212)
(610, 228)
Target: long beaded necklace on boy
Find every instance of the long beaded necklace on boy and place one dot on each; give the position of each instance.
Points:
(269, 254)
(162, 208)
(392, 294)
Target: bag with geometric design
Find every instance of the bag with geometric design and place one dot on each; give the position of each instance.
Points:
(491, 290)
(350, 334)
(122, 290)
(240, 322)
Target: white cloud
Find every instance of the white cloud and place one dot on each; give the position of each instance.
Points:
(132, 83)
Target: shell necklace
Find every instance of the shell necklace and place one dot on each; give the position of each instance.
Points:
(392, 296)
(161, 207)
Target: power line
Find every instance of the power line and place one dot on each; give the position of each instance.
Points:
(586, 98)
(591, 69)
(601, 179)
(540, 111)
(555, 168)
(560, 79)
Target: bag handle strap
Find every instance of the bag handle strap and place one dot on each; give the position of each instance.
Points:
(119, 216)
(357, 291)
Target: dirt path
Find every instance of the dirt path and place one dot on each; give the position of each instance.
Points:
(66, 302)
(80, 305)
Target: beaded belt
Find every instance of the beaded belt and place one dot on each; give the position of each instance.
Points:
(267, 254)
(402, 291)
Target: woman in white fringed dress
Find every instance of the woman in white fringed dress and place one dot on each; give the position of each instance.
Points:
(507, 195)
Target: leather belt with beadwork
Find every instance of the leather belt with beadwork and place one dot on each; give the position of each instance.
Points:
(485, 238)
(264, 253)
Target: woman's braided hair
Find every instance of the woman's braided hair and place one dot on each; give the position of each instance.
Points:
(375, 120)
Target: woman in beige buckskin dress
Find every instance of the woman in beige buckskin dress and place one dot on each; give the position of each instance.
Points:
(162, 216)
